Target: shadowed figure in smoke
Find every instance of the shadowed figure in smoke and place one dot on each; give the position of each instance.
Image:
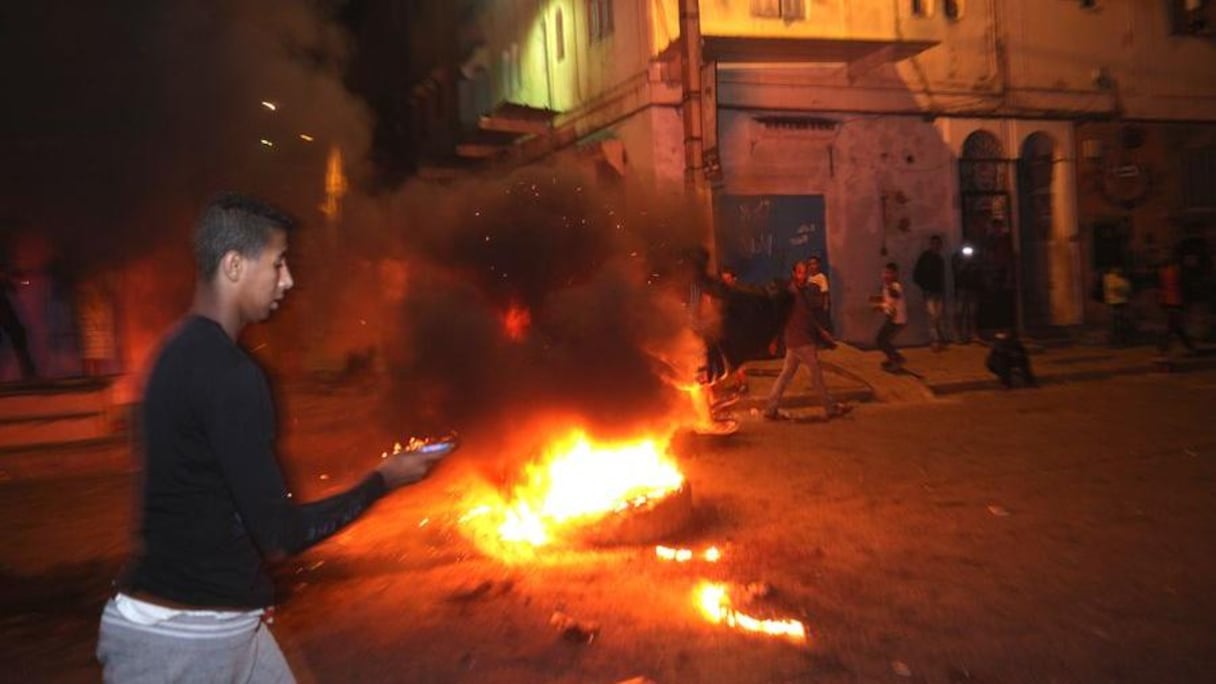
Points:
(536, 295)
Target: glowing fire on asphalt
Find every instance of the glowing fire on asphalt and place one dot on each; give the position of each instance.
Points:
(578, 480)
(715, 604)
(710, 555)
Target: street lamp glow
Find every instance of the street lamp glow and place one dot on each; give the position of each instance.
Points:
(306, 137)
(270, 105)
(266, 142)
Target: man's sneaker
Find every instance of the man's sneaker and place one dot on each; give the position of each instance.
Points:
(777, 415)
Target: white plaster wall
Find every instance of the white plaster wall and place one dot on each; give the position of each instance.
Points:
(668, 146)
(865, 159)
(1056, 47)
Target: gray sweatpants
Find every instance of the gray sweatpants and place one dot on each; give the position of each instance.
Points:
(805, 354)
(189, 648)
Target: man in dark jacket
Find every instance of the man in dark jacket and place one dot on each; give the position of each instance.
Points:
(803, 336)
(930, 276)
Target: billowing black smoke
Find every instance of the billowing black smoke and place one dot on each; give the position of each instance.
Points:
(537, 293)
(484, 301)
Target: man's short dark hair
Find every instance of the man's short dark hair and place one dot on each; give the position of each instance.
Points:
(235, 222)
(892, 266)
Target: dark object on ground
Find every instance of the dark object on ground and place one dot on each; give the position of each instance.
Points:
(574, 630)
(1008, 359)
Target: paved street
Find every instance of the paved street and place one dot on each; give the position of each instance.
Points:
(1065, 534)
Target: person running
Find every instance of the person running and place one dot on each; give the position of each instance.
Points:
(894, 307)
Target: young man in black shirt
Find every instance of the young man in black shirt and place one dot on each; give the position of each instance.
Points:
(215, 507)
(930, 275)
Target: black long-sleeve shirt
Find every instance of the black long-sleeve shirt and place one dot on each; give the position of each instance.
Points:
(215, 505)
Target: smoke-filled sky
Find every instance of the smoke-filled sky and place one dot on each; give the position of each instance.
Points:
(121, 116)
(125, 115)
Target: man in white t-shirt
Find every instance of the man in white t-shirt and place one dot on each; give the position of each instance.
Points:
(895, 308)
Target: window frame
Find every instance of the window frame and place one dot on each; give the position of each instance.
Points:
(786, 10)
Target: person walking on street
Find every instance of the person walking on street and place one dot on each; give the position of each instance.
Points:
(968, 286)
(1117, 293)
(930, 276)
(803, 336)
(10, 325)
(194, 602)
(895, 308)
(1173, 303)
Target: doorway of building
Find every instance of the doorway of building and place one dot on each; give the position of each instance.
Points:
(984, 181)
(1035, 168)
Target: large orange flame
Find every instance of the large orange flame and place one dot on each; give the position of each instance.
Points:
(578, 480)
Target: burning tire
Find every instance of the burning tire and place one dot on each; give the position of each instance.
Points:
(644, 523)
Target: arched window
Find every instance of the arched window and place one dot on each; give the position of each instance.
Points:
(559, 34)
(984, 189)
(953, 9)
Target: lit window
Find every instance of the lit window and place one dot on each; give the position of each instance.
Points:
(789, 10)
(559, 34)
(953, 9)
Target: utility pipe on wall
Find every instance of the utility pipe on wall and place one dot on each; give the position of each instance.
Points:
(694, 143)
(690, 39)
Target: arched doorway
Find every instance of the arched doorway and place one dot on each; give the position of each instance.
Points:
(1035, 168)
(984, 181)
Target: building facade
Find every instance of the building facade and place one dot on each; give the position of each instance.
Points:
(1054, 136)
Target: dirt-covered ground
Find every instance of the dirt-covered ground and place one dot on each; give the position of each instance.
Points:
(1059, 535)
